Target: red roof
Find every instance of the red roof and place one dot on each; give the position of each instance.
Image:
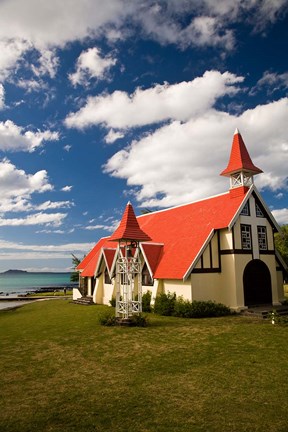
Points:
(90, 261)
(129, 228)
(185, 229)
(152, 254)
(239, 158)
(179, 235)
(109, 255)
(88, 257)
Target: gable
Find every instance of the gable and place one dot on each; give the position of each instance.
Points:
(151, 253)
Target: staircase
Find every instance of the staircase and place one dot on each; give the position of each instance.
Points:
(85, 301)
(263, 311)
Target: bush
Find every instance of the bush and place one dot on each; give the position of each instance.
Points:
(107, 318)
(113, 302)
(165, 304)
(146, 302)
(203, 309)
(139, 320)
(183, 308)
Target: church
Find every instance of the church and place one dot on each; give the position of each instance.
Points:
(220, 248)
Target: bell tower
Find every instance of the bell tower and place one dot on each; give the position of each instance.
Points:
(240, 167)
(128, 266)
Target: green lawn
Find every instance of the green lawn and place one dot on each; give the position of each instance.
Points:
(61, 371)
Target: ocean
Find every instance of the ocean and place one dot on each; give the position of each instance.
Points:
(24, 282)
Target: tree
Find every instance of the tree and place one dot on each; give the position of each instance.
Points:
(74, 277)
(281, 242)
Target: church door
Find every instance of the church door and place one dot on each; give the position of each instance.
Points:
(257, 283)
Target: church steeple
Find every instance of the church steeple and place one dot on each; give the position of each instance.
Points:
(240, 167)
(128, 228)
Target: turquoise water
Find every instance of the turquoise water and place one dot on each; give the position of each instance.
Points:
(21, 283)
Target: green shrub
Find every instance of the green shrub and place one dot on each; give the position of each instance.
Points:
(146, 302)
(113, 302)
(107, 318)
(139, 320)
(165, 304)
(203, 309)
(183, 308)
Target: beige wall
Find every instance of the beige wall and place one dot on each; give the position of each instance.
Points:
(226, 239)
(76, 294)
(181, 288)
(108, 292)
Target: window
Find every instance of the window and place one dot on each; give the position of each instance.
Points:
(259, 212)
(246, 237)
(246, 210)
(146, 278)
(107, 279)
(262, 237)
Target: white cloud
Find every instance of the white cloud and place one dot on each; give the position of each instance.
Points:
(66, 247)
(48, 24)
(17, 187)
(67, 189)
(272, 81)
(12, 251)
(45, 26)
(281, 216)
(31, 84)
(12, 50)
(2, 96)
(16, 183)
(90, 64)
(13, 137)
(111, 228)
(112, 136)
(48, 219)
(188, 157)
(49, 205)
(48, 63)
(159, 103)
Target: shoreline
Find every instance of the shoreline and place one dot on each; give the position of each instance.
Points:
(36, 290)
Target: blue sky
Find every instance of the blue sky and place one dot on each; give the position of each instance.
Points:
(106, 102)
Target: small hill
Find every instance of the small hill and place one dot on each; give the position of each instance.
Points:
(13, 272)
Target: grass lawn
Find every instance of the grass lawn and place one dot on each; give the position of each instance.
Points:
(61, 371)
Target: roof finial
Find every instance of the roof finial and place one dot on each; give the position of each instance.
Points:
(236, 131)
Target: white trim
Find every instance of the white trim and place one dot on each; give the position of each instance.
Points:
(205, 244)
(273, 220)
(237, 214)
(280, 259)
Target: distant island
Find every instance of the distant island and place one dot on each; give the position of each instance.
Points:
(19, 272)
(14, 272)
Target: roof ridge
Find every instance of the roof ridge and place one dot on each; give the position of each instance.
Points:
(182, 205)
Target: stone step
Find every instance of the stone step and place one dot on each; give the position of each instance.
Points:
(265, 311)
(86, 301)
